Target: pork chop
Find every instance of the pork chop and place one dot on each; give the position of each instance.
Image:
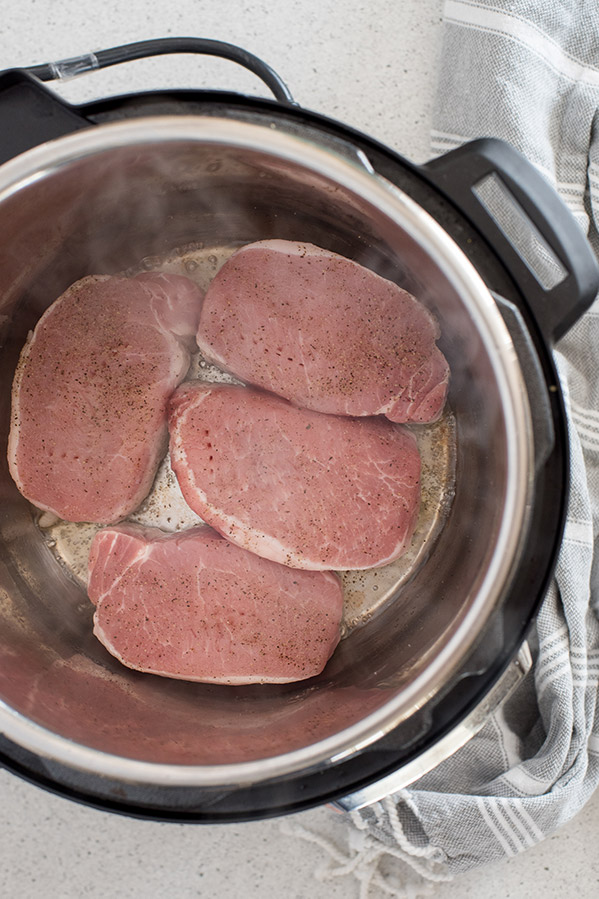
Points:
(301, 488)
(193, 606)
(90, 393)
(323, 332)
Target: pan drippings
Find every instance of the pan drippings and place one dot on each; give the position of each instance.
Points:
(365, 591)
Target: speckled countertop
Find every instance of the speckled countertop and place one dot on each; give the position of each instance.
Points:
(371, 65)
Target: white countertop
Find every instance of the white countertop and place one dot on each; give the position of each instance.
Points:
(371, 65)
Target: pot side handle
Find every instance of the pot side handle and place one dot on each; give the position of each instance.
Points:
(78, 65)
(447, 745)
(528, 225)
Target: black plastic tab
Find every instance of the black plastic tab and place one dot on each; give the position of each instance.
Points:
(30, 114)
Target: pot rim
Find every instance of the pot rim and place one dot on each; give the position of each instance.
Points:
(353, 175)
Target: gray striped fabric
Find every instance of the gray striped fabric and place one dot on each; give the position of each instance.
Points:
(526, 71)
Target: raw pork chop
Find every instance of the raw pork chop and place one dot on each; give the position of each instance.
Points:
(91, 389)
(193, 606)
(298, 487)
(324, 332)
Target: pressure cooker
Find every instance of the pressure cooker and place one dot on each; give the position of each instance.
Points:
(482, 239)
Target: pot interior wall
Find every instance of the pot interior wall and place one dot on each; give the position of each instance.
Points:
(103, 214)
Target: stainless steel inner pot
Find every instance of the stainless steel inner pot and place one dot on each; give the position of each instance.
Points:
(98, 202)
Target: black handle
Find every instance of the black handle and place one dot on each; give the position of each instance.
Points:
(553, 234)
(30, 114)
(77, 65)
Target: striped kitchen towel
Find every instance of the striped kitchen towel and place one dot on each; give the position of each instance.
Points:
(528, 72)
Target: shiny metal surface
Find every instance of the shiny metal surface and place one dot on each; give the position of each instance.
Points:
(99, 201)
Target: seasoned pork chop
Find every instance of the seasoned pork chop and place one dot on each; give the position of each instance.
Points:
(90, 393)
(193, 606)
(301, 488)
(323, 332)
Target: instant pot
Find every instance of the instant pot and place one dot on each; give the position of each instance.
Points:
(483, 240)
